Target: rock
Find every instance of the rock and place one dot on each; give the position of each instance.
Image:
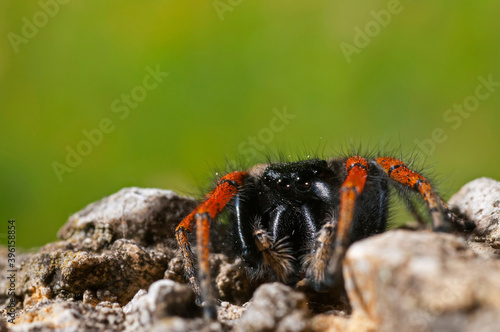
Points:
(94, 263)
(479, 201)
(177, 324)
(228, 276)
(145, 216)
(297, 321)
(165, 298)
(95, 277)
(175, 269)
(422, 281)
(110, 251)
(69, 316)
(333, 322)
(114, 274)
(275, 307)
(231, 281)
(229, 313)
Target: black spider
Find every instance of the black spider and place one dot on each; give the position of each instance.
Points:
(295, 220)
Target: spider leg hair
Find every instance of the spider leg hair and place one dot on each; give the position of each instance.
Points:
(317, 260)
(276, 254)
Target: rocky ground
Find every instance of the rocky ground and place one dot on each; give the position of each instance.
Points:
(116, 268)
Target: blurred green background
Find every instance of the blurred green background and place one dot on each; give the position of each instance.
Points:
(65, 67)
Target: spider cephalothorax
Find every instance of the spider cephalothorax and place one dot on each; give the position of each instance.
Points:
(297, 219)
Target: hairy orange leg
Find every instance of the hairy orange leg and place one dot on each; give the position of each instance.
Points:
(357, 172)
(399, 172)
(203, 215)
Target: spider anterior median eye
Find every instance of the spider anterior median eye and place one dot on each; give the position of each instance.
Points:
(303, 184)
(283, 184)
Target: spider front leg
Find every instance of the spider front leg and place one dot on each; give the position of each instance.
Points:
(317, 261)
(438, 209)
(325, 263)
(204, 214)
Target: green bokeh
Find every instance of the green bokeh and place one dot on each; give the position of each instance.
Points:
(227, 72)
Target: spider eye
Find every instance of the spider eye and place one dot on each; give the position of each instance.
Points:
(283, 185)
(302, 183)
(319, 173)
(267, 180)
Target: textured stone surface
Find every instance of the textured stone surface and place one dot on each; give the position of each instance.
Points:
(114, 274)
(335, 322)
(141, 214)
(422, 281)
(69, 316)
(275, 307)
(177, 324)
(231, 281)
(229, 313)
(165, 298)
(479, 200)
(106, 274)
(106, 254)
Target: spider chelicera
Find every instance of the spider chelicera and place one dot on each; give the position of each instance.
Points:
(297, 219)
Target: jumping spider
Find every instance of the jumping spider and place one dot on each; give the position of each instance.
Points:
(297, 219)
